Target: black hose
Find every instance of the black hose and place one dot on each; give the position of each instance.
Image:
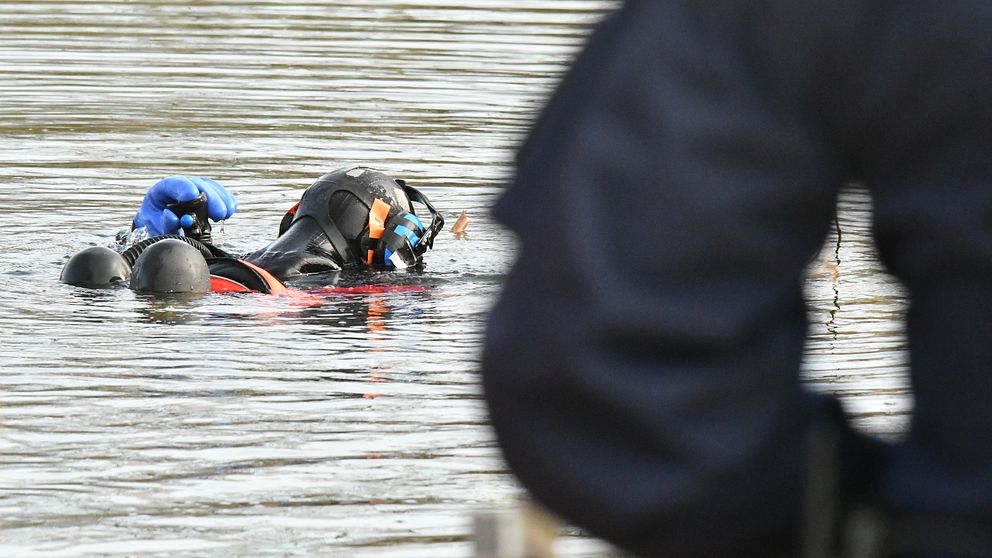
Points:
(208, 250)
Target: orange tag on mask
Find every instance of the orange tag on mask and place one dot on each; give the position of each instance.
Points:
(377, 218)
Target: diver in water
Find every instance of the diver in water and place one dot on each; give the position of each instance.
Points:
(353, 217)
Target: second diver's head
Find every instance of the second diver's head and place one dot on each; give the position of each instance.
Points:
(351, 217)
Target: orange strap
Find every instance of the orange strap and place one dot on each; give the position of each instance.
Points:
(275, 286)
(377, 223)
(220, 284)
(377, 218)
(287, 219)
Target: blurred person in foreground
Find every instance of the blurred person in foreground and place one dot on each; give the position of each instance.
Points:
(641, 365)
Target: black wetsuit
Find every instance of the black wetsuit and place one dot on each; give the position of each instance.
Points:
(642, 363)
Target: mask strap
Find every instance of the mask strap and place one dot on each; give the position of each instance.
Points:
(338, 241)
(437, 221)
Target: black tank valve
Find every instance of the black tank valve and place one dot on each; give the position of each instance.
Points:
(193, 217)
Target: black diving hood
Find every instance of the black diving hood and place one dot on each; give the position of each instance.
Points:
(303, 249)
(331, 228)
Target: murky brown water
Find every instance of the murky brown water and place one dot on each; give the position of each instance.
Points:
(242, 425)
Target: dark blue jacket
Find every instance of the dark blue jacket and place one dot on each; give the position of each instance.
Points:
(641, 364)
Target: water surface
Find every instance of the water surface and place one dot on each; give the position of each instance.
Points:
(250, 425)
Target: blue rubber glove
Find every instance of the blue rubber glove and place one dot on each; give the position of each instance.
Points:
(171, 189)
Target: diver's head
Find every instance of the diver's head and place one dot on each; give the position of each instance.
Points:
(96, 267)
(170, 266)
(351, 217)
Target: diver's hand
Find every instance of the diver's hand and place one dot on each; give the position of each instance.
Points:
(159, 220)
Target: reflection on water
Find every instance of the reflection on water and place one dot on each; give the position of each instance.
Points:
(249, 425)
(857, 344)
(252, 425)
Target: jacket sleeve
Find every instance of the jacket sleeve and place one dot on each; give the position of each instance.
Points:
(641, 364)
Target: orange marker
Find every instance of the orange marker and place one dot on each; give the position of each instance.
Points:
(460, 224)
